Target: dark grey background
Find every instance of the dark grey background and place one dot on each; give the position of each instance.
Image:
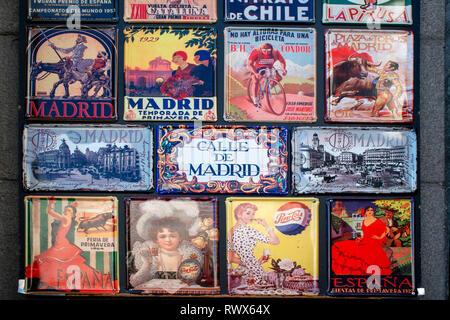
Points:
(432, 230)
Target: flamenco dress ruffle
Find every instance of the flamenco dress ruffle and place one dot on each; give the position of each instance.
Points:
(56, 264)
(354, 257)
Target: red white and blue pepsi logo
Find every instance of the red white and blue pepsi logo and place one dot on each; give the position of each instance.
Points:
(292, 218)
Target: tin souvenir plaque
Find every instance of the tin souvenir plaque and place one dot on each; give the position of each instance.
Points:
(71, 244)
(185, 11)
(385, 12)
(72, 10)
(270, 74)
(172, 246)
(370, 76)
(272, 246)
(71, 74)
(103, 158)
(269, 11)
(371, 247)
(222, 159)
(170, 74)
(363, 160)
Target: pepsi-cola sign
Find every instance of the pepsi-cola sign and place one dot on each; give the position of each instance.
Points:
(292, 218)
(189, 270)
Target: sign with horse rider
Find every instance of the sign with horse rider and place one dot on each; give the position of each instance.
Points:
(369, 76)
(72, 74)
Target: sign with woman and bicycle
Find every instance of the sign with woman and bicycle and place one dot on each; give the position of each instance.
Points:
(270, 74)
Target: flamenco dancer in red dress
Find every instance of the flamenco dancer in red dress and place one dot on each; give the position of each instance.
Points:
(61, 266)
(353, 257)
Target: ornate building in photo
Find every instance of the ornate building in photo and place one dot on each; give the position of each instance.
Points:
(397, 155)
(314, 156)
(78, 159)
(110, 161)
(55, 159)
(392, 156)
(119, 162)
(348, 158)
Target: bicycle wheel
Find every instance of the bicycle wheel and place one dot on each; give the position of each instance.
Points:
(276, 97)
(252, 84)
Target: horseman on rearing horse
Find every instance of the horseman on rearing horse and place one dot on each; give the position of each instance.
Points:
(89, 72)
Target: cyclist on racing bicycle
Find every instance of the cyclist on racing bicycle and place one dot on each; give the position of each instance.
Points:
(261, 58)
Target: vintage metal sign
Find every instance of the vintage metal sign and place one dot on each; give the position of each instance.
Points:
(72, 10)
(270, 11)
(71, 74)
(104, 158)
(170, 74)
(388, 12)
(71, 244)
(364, 160)
(172, 245)
(370, 76)
(186, 11)
(270, 74)
(272, 246)
(222, 159)
(371, 245)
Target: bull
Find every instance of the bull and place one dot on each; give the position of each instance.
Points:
(98, 221)
(364, 87)
(351, 77)
(352, 67)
